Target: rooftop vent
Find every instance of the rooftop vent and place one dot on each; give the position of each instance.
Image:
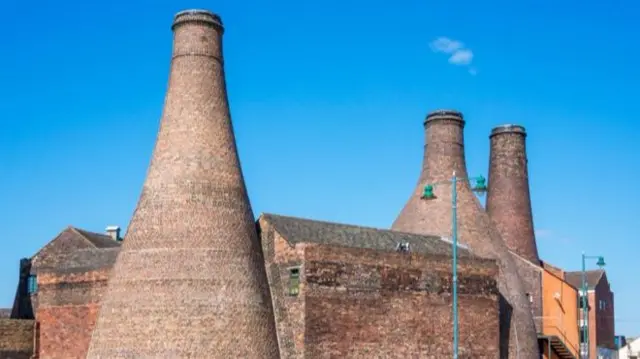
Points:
(114, 232)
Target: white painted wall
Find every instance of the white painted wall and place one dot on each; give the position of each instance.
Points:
(630, 350)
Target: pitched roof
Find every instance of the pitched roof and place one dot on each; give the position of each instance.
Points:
(80, 260)
(297, 230)
(76, 249)
(99, 240)
(72, 238)
(575, 278)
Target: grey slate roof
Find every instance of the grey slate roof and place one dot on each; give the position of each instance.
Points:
(298, 230)
(593, 277)
(64, 255)
(80, 260)
(97, 239)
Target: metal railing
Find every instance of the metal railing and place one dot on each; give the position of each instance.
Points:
(555, 326)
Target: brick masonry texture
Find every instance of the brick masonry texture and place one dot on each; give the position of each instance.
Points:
(601, 319)
(604, 317)
(16, 338)
(72, 272)
(444, 154)
(190, 281)
(68, 308)
(531, 276)
(508, 197)
(362, 299)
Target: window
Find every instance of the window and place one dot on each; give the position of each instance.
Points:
(602, 305)
(32, 284)
(294, 281)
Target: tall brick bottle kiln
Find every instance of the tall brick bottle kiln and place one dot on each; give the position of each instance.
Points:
(190, 280)
(444, 154)
(508, 197)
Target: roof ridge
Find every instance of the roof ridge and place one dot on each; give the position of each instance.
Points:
(48, 243)
(265, 215)
(599, 270)
(297, 230)
(90, 232)
(536, 266)
(79, 232)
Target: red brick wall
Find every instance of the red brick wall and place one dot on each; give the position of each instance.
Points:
(69, 305)
(289, 311)
(360, 303)
(363, 303)
(604, 316)
(16, 338)
(601, 321)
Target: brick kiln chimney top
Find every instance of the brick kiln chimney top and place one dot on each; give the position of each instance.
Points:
(509, 128)
(204, 17)
(444, 114)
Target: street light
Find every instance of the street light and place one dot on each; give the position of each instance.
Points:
(480, 188)
(585, 306)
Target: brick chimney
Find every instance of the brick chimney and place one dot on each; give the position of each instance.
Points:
(114, 233)
(508, 199)
(190, 280)
(444, 154)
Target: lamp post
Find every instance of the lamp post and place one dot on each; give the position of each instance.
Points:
(585, 306)
(480, 187)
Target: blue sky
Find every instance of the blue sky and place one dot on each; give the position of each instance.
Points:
(328, 101)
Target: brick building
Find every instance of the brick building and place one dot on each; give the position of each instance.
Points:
(16, 338)
(195, 268)
(601, 324)
(343, 291)
(197, 277)
(60, 288)
(559, 334)
(337, 290)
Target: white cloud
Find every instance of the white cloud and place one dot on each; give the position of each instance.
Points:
(461, 57)
(446, 45)
(458, 54)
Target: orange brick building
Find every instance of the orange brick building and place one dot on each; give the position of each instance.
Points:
(559, 332)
